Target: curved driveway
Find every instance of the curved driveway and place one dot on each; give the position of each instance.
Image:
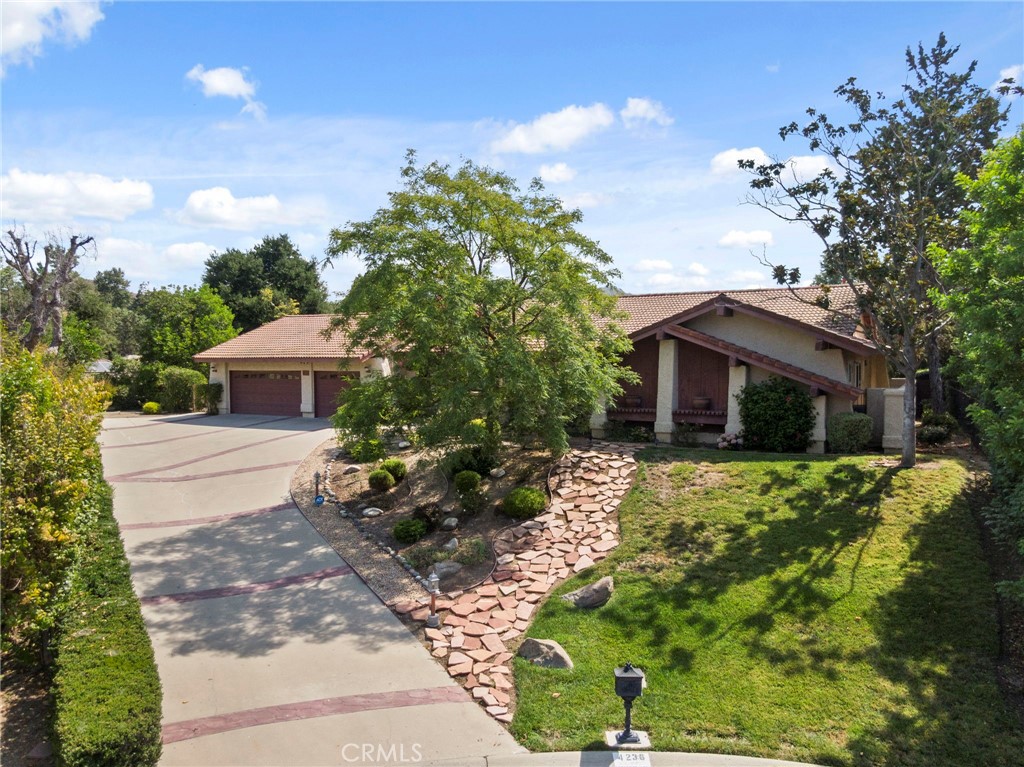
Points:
(271, 651)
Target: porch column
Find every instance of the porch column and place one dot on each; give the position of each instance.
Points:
(599, 419)
(739, 376)
(818, 432)
(668, 388)
(892, 429)
(306, 376)
(219, 374)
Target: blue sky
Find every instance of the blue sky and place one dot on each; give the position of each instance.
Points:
(172, 130)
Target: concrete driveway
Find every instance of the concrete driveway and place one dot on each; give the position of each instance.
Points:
(271, 650)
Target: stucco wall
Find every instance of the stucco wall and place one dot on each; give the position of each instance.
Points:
(774, 339)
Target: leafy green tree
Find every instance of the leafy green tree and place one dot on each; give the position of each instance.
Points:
(491, 301)
(183, 321)
(264, 283)
(989, 306)
(49, 420)
(886, 195)
(114, 286)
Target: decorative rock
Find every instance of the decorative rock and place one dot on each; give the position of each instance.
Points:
(497, 473)
(592, 595)
(404, 444)
(446, 568)
(373, 511)
(452, 546)
(450, 524)
(546, 653)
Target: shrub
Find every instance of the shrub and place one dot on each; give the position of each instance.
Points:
(134, 383)
(849, 432)
(472, 552)
(366, 450)
(468, 458)
(932, 435)
(381, 480)
(396, 468)
(472, 501)
(106, 687)
(211, 397)
(524, 502)
(179, 389)
(151, 408)
(624, 431)
(928, 418)
(466, 482)
(49, 419)
(422, 557)
(409, 530)
(777, 416)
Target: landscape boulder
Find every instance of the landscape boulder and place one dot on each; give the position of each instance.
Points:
(546, 653)
(450, 524)
(353, 469)
(592, 595)
(497, 473)
(446, 568)
(372, 512)
(452, 546)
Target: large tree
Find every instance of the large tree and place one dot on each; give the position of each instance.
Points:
(43, 277)
(989, 307)
(887, 194)
(182, 321)
(491, 301)
(266, 282)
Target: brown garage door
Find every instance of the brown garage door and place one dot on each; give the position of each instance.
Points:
(326, 393)
(277, 393)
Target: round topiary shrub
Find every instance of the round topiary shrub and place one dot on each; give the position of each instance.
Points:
(932, 435)
(381, 480)
(849, 432)
(409, 530)
(396, 468)
(466, 482)
(777, 416)
(151, 408)
(366, 450)
(524, 502)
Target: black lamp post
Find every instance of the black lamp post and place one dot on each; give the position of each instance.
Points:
(629, 685)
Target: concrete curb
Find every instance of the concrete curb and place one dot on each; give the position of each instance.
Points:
(608, 759)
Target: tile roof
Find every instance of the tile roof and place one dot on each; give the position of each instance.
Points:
(649, 310)
(296, 337)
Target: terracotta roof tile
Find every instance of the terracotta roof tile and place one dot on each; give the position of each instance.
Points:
(648, 310)
(297, 337)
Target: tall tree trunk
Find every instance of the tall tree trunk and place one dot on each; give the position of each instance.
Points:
(935, 380)
(909, 453)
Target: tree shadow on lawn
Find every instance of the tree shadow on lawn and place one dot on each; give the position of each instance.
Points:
(933, 635)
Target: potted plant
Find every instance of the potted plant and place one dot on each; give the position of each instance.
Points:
(701, 402)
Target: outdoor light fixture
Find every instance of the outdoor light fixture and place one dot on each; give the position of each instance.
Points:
(432, 620)
(629, 685)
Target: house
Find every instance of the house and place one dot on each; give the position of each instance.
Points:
(695, 351)
(692, 351)
(288, 367)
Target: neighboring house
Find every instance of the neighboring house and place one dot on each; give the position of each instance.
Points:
(695, 351)
(287, 367)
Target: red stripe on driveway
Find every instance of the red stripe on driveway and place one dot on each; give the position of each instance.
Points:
(310, 709)
(208, 520)
(190, 477)
(187, 436)
(246, 588)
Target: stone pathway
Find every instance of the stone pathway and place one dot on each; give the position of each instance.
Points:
(579, 528)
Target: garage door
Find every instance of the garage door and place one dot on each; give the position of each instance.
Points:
(326, 393)
(277, 393)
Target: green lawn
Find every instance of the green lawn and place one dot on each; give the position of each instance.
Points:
(814, 609)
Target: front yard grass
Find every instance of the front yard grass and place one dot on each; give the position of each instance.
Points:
(826, 610)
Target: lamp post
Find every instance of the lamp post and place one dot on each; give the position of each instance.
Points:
(432, 620)
(316, 477)
(629, 685)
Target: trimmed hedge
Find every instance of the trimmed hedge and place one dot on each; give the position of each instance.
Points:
(409, 530)
(524, 502)
(180, 390)
(849, 432)
(381, 480)
(396, 468)
(106, 688)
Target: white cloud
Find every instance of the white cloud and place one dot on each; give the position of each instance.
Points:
(739, 239)
(188, 253)
(25, 25)
(218, 207)
(231, 83)
(773, 68)
(585, 200)
(698, 268)
(725, 163)
(639, 112)
(61, 196)
(751, 278)
(557, 173)
(652, 265)
(555, 130)
(1016, 72)
(670, 280)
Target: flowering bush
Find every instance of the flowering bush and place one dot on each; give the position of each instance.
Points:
(730, 441)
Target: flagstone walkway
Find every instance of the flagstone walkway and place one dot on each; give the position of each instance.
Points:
(578, 528)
